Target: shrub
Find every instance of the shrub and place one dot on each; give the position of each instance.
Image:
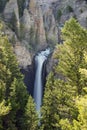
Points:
(59, 14)
(69, 8)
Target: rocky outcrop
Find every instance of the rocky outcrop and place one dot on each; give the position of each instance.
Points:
(11, 14)
(32, 7)
(50, 27)
(11, 7)
(25, 26)
(32, 30)
(23, 55)
(63, 10)
(83, 19)
(38, 24)
(33, 26)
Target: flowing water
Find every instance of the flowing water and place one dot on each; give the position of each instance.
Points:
(38, 86)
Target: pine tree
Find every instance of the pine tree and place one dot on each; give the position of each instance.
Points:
(58, 102)
(31, 116)
(71, 53)
(66, 82)
(50, 114)
(13, 93)
(81, 122)
(74, 69)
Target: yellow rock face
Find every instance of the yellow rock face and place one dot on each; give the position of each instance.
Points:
(32, 6)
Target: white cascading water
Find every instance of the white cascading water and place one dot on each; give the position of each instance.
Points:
(38, 86)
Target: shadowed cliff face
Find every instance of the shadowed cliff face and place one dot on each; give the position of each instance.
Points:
(29, 75)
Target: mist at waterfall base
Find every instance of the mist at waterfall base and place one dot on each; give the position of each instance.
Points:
(38, 85)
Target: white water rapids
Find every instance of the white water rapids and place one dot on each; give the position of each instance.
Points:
(38, 86)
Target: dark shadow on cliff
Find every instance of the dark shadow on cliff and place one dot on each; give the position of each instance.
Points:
(29, 76)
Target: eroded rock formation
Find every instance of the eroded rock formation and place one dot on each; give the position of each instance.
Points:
(36, 24)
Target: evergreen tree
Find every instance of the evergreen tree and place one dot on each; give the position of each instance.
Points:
(71, 53)
(17, 112)
(50, 114)
(66, 82)
(81, 104)
(58, 103)
(13, 93)
(81, 122)
(31, 115)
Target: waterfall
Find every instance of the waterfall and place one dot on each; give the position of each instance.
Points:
(38, 86)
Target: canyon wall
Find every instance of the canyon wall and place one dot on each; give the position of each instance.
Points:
(33, 25)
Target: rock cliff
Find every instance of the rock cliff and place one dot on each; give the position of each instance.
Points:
(32, 25)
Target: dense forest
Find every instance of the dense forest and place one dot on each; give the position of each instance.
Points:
(64, 104)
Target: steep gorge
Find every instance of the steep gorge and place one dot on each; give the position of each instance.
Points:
(33, 25)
